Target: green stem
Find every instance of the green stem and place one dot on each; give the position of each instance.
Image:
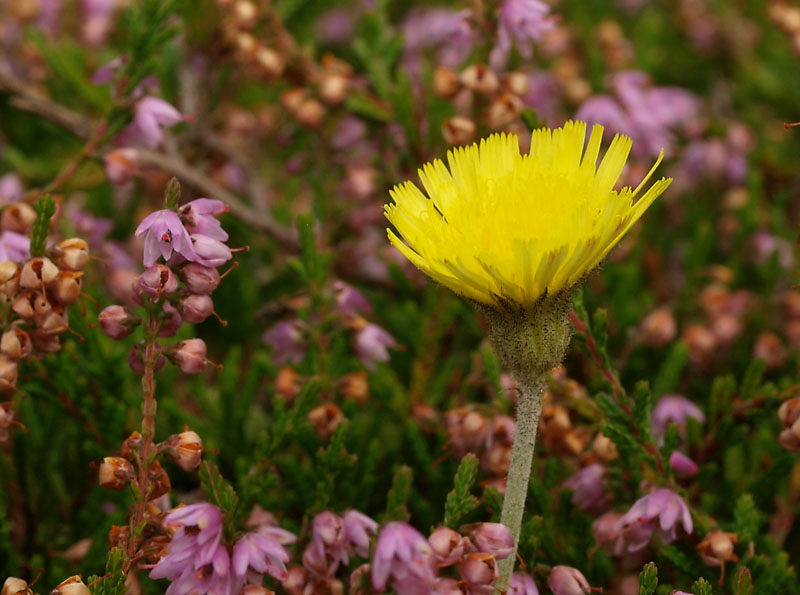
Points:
(529, 408)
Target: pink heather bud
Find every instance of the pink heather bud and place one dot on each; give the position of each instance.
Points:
(72, 254)
(67, 288)
(122, 286)
(190, 450)
(8, 373)
(9, 278)
(674, 409)
(372, 344)
(770, 348)
(37, 272)
(493, 538)
(116, 322)
(72, 586)
(404, 554)
(565, 580)
(210, 252)
(659, 328)
(15, 586)
(190, 356)
(196, 308)
(357, 530)
(157, 281)
(199, 279)
(16, 343)
(136, 362)
(589, 488)
(478, 569)
(466, 430)
(171, 321)
(660, 511)
(682, 465)
(448, 546)
(121, 165)
(114, 473)
(522, 584)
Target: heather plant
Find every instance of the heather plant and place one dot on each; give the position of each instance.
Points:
(221, 373)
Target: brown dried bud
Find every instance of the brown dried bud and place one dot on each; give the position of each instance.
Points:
(118, 536)
(604, 448)
(270, 62)
(114, 473)
(311, 113)
(659, 328)
(480, 79)
(458, 130)
(16, 343)
(717, 548)
(325, 418)
(37, 272)
(770, 348)
(53, 322)
(517, 83)
(333, 87)
(190, 450)
(8, 373)
(45, 343)
(789, 411)
(355, 386)
(72, 586)
(131, 444)
(9, 278)
(15, 586)
(245, 43)
(17, 217)
(72, 254)
(287, 383)
(503, 110)
(466, 430)
(67, 288)
(702, 344)
(445, 82)
(159, 481)
(245, 13)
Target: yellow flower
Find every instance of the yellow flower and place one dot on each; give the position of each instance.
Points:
(500, 227)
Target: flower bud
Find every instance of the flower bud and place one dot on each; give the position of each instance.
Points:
(604, 448)
(245, 13)
(114, 473)
(196, 308)
(16, 343)
(478, 569)
(190, 450)
(199, 279)
(72, 586)
(333, 87)
(53, 322)
(15, 586)
(17, 217)
(157, 281)
(159, 481)
(658, 328)
(480, 79)
(445, 82)
(67, 288)
(72, 254)
(355, 386)
(564, 580)
(503, 110)
(9, 278)
(325, 418)
(493, 538)
(517, 83)
(37, 272)
(122, 285)
(136, 361)
(190, 356)
(8, 373)
(448, 546)
(116, 322)
(287, 383)
(771, 349)
(682, 465)
(45, 343)
(171, 321)
(458, 130)
(212, 252)
(270, 61)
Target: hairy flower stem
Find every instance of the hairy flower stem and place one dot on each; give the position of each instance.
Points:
(529, 408)
(149, 407)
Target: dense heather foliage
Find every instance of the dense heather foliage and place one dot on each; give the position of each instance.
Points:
(217, 375)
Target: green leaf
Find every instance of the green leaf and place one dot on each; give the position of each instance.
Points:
(642, 407)
(742, 582)
(397, 498)
(702, 587)
(218, 491)
(752, 378)
(172, 194)
(45, 209)
(648, 579)
(671, 370)
(460, 501)
(746, 518)
(113, 582)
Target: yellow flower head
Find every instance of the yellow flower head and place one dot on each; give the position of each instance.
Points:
(499, 227)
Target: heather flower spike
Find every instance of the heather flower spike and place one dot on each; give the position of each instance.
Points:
(516, 234)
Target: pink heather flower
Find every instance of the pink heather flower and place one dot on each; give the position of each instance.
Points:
(522, 584)
(589, 488)
(349, 300)
(447, 32)
(164, 234)
(255, 553)
(682, 465)
(213, 578)
(97, 20)
(372, 343)
(121, 165)
(659, 512)
(328, 547)
(208, 251)
(448, 546)
(14, 246)
(151, 115)
(11, 189)
(287, 341)
(93, 229)
(616, 541)
(199, 216)
(520, 23)
(565, 580)
(492, 538)
(48, 15)
(357, 530)
(674, 409)
(404, 556)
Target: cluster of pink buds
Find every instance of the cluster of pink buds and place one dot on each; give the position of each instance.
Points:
(408, 563)
(789, 414)
(74, 585)
(197, 558)
(191, 242)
